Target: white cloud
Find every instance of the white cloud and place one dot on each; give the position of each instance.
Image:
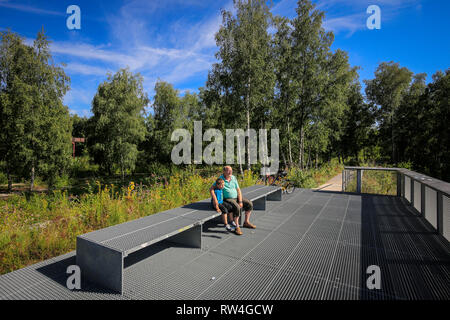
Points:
(355, 15)
(84, 69)
(175, 54)
(30, 9)
(187, 69)
(350, 23)
(78, 95)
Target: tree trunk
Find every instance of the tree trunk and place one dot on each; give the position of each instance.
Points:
(302, 145)
(309, 159)
(247, 102)
(8, 174)
(284, 159)
(317, 159)
(392, 138)
(248, 138)
(239, 156)
(121, 168)
(289, 145)
(32, 177)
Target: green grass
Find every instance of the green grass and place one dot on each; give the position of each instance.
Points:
(40, 226)
(375, 182)
(313, 178)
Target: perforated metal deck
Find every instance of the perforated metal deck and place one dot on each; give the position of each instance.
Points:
(311, 245)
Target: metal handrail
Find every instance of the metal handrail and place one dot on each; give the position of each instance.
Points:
(438, 206)
(433, 183)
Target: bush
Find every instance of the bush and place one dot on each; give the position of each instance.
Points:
(302, 178)
(3, 178)
(62, 181)
(405, 165)
(81, 167)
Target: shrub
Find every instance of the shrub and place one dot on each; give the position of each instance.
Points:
(3, 178)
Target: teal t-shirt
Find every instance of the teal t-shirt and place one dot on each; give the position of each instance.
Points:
(229, 190)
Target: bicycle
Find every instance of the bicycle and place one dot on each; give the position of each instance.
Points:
(287, 186)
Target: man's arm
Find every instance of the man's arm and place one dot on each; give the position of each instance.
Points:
(239, 197)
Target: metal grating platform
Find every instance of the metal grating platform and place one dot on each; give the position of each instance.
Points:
(311, 245)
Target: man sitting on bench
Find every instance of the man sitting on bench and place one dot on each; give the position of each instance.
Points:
(232, 194)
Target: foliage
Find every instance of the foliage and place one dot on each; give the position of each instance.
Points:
(375, 182)
(313, 177)
(36, 128)
(386, 91)
(3, 178)
(118, 126)
(44, 226)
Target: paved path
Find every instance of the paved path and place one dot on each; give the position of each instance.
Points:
(334, 184)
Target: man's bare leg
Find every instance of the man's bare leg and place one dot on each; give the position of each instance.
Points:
(247, 223)
(247, 216)
(238, 229)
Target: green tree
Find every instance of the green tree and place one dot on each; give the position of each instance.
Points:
(438, 113)
(118, 123)
(387, 90)
(310, 51)
(335, 99)
(320, 77)
(168, 114)
(80, 130)
(243, 79)
(36, 121)
(428, 146)
(408, 117)
(285, 84)
(15, 99)
(357, 123)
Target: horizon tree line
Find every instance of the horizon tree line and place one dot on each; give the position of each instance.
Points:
(272, 72)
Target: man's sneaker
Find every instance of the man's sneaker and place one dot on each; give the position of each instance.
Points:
(238, 231)
(230, 228)
(233, 224)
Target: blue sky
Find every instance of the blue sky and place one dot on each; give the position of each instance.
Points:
(173, 40)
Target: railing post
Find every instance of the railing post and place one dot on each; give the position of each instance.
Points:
(399, 184)
(403, 185)
(411, 188)
(440, 212)
(422, 199)
(358, 180)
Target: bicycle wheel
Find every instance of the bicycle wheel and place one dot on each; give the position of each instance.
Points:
(289, 187)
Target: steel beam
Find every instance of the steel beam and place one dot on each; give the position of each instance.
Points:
(275, 196)
(191, 237)
(100, 264)
(359, 174)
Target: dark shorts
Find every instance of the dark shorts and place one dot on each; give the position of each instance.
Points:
(247, 205)
(225, 207)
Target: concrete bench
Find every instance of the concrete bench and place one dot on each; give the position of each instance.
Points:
(101, 253)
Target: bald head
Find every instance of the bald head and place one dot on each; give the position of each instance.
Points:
(227, 171)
